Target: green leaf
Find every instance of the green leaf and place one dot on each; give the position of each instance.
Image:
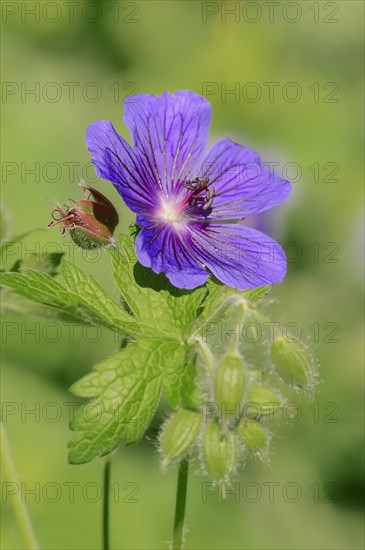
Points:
(39, 287)
(86, 302)
(175, 374)
(179, 380)
(257, 293)
(158, 305)
(15, 304)
(36, 294)
(72, 275)
(126, 389)
(92, 295)
(190, 393)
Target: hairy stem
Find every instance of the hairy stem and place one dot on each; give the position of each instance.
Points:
(204, 352)
(216, 315)
(19, 507)
(235, 337)
(182, 484)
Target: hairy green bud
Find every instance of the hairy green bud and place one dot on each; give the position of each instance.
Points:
(179, 433)
(219, 450)
(292, 362)
(229, 382)
(252, 434)
(261, 401)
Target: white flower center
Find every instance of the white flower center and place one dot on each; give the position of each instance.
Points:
(171, 213)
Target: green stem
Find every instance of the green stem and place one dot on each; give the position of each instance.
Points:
(106, 492)
(182, 484)
(205, 352)
(231, 300)
(19, 507)
(235, 338)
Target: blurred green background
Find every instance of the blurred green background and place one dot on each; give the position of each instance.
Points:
(82, 59)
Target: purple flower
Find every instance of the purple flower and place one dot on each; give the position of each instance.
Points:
(189, 202)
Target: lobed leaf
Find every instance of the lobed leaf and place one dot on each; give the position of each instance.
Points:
(126, 388)
(85, 302)
(151, 297)
(93, 297)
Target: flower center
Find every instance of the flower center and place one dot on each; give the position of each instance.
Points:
(199, 196)
(171, 212)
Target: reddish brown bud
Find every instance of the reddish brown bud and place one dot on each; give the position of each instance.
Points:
(91, 222)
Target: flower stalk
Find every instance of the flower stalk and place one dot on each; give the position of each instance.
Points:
(180, 506)
(19, 507)
(106, 492)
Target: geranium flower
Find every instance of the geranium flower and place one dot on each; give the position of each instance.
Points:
(189, 202)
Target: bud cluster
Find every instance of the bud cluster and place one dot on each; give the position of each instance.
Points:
(244, 406)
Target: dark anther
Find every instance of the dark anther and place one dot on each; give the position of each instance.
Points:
(197, 184)
(209, 198)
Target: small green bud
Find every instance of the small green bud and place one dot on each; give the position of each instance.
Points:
(179, 433)
(229, 383)
(219, 450)
(292, 362)
(252, 434)
(261, 402)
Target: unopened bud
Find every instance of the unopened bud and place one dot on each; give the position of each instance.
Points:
(292, 362)
(229, 382)
(261, 402)
(219, 450)
(252, 434)
(91, 222)
(179, 433)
